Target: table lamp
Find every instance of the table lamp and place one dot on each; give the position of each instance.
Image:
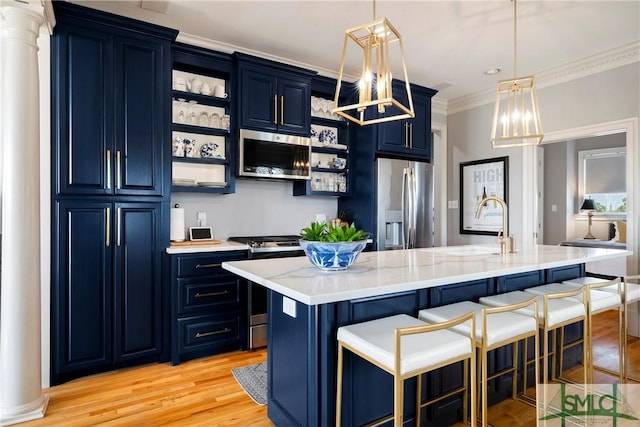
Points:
(589, 206)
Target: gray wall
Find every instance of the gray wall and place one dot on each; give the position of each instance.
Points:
(599, 98)
(256, 208)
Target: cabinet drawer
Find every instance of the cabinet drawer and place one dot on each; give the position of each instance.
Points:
(209, 333)
(206, 264)
(203, 293)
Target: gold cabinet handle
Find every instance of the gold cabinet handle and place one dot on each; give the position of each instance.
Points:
(275, 109)
(108, 227)
(208, 265)
(211, 294)
(118, 170)
(406, 135)
(118, 226)
(108, 166)
(281, 110)
(206, 334)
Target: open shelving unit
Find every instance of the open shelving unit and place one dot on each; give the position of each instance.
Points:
(199, 119)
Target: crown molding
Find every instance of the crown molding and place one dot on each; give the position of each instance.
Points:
(438, 105)
(230, 48)
(605, 61)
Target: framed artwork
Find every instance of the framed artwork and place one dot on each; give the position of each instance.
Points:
(480, 178)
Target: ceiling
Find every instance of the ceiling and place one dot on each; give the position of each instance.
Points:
(448, 44)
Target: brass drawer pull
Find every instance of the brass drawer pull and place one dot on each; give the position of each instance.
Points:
(211, 294)
(208, 265)
(206, 334)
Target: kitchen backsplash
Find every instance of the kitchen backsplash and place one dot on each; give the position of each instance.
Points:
(256, 208)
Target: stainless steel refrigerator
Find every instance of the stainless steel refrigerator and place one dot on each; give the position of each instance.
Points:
(405, 216)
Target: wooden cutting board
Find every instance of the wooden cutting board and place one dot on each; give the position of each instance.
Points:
(195, 243)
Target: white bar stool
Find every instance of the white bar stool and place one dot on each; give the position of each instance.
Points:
(554, 311)
(597, 302)
(407, 347)
(496, 327)
(629, 290)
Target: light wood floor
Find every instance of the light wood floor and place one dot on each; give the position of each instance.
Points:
(203, 392)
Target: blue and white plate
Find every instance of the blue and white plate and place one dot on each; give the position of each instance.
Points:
(209, 150)
(328, 136)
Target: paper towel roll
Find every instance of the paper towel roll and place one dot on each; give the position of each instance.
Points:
(177, 232)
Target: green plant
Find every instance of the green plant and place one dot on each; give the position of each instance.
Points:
(325, 232)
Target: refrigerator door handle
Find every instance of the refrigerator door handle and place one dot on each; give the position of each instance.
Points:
(409, 212)
(406, 228)
(413, 212)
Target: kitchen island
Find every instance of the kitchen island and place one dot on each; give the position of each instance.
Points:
(307, 306)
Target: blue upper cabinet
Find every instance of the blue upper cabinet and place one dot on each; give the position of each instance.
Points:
(111, 104)
(409, 138)
(273, 97)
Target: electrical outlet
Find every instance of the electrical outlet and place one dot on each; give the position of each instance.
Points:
(452, 204)
(202, 219)
(321, 217)
(289, 306)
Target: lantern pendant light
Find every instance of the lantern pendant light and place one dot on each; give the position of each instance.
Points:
(516, 119)
(375, 91)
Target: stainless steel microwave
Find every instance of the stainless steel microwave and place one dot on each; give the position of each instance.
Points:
(272, 155)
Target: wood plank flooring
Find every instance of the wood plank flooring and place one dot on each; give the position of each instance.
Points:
(203, 392)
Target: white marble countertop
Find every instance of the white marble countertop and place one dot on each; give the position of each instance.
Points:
(219, 247)
(379, 273)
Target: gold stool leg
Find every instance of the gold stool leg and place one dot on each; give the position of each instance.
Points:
(398, 397)
(418, 398)
(339, 386)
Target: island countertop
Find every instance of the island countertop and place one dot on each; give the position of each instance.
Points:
(386, 272)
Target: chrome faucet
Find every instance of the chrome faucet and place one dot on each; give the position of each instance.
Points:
(507, 244)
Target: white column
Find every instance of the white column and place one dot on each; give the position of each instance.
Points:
(21, 396)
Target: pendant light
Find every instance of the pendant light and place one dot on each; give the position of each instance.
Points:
(375, 91)
(516, 120)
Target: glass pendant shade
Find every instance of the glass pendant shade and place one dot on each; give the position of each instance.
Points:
(516, 120)
(377, 41)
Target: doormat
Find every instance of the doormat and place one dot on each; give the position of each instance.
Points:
(253, 380)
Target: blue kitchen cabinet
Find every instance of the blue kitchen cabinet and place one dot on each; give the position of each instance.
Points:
(408, 138)
(107, 287)
(111, 171)
(110, 100)
(208, 305)
(273, 97)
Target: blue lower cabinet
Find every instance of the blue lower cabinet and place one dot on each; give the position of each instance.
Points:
(106, 287)
(560, 274)
(208, 305)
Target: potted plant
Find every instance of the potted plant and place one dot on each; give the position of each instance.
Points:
(332, 246)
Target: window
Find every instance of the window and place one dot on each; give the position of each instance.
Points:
(602, 177)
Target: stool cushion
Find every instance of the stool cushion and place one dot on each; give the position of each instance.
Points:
(633, 291)
(584, 281)
(376, 340)
(501, 327)
(560, 310)
(599, 300)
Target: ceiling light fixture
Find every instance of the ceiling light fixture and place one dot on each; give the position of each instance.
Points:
(375, 90)
(516, 120)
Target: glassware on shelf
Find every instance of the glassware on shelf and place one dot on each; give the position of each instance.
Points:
(225, 122)
(203, 119)
(181, 111)
(214, 121)
(192, 118)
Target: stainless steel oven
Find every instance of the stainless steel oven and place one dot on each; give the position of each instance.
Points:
(263, 247)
